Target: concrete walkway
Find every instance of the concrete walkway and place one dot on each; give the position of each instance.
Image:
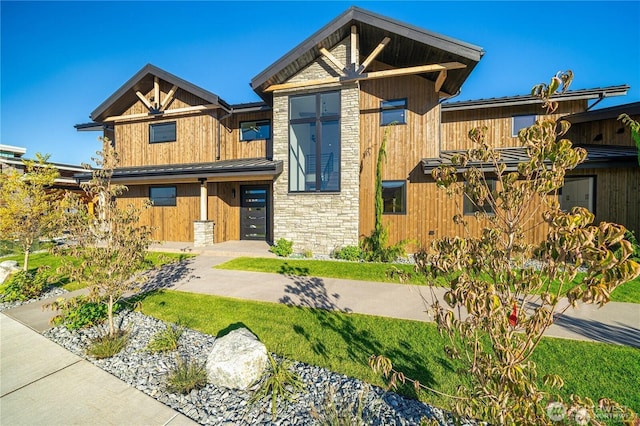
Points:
(615, 322)
(42, 383)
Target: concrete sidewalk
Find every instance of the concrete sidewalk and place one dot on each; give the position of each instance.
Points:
(616, 322)
(43, 384)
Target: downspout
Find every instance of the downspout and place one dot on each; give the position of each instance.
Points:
(219, 147)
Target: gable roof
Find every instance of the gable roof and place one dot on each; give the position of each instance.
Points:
(408, 47)
(142, 81)
(569, 95)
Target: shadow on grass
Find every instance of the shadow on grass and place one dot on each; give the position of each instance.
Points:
(310, 294)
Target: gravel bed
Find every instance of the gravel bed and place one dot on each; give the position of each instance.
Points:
(213, 405)
(51, 292)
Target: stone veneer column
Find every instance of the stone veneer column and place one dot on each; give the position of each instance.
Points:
(319, 222)
(203, 233)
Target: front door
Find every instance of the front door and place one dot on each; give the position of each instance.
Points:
(254, 207)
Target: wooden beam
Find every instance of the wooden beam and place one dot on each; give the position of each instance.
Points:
(373, 54)
(354, 48)
(411, 70)
(156, 92)
(335, 61)
(442, 76)
(370, 76)
(168, 98)
(308, 83)
(162, 114)
(144, 100)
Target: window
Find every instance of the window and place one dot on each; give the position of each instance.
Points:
(314, 142)
(577, 192)
(254, 130)
(394, 196)
(470, 207)
(162, 132)
(162, 195)
(519, 122)
(393, 112)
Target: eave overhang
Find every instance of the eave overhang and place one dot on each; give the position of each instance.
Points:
(598, 156)
(409, 46)
(239, 169)
(631, 109)
(508, 101)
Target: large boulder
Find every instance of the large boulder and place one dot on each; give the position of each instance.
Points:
(237, 360)
(7, 268)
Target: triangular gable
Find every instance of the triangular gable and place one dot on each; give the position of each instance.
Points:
(407, 46)
(144, 81)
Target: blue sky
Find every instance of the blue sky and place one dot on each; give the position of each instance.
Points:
(60, 60)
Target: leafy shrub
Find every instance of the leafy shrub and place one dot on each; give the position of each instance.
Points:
(25, 285)
(78, 312)
(307, 254)
(282, 248)
(186, 376)
(278, 382)
(166, 340)
(351, 253)
(635, 245)
(108, 345)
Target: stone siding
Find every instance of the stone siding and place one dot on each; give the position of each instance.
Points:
(319, 222)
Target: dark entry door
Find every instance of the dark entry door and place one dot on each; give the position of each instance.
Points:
(254, 208)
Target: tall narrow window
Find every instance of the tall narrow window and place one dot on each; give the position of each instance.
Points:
(393, 112)
(162, 132)
(314, 142)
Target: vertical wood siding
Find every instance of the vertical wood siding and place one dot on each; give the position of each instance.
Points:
(457, 124)
(602, 132)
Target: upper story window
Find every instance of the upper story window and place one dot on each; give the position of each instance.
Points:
(314, 142)
(519, 122)
(162, 132)
(393, 112)
(471, 207)
(394, 196)
(163, 195)
(255, 130)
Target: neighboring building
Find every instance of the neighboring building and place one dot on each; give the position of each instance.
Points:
(11, 158)
(301, 164)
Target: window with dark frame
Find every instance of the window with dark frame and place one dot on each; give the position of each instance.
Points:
(394, 196)
(163, 195)
(255, 130)
(162, 132)
(393, 112)
(314, 142)
(470, 208)
(519, 122)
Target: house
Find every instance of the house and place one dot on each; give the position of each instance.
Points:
(300, 164)
(11, 158)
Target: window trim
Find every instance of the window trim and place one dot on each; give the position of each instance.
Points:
(164, 123)
(317, 121)
(514, 131)
(175, 198)
(258, 123)
(404, 197)
(384, 109)
(466, 201)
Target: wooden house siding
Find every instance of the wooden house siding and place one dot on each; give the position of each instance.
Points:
(232, 148)
(498, 120)
(406, 145)
(602, 132)
(175, 223)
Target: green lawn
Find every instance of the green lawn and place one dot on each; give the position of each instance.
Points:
(344, 342)
(379, 272)
(37, 260)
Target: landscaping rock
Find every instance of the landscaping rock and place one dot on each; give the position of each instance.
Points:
(7, 268)
(237, 360)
